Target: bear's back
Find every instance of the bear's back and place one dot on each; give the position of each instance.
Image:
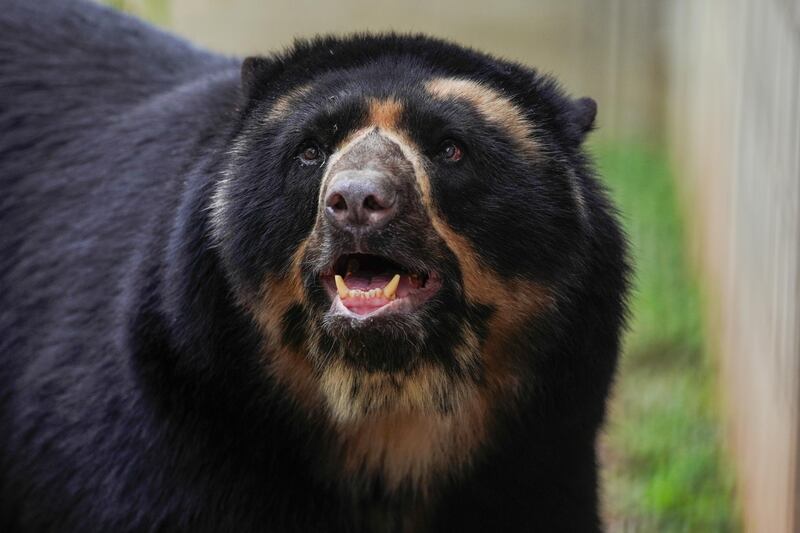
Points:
(100, 114)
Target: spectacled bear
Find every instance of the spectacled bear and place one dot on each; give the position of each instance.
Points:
(367, 284)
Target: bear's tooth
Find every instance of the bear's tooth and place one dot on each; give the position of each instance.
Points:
(391, 288)
(341, 288)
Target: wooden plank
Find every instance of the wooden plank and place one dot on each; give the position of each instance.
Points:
(735, 120)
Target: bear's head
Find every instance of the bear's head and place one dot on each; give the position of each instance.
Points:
(403, 218)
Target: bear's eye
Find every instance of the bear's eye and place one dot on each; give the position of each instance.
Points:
(451, 151)
(311, 154)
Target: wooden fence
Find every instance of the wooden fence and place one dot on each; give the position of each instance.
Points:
(734, 114)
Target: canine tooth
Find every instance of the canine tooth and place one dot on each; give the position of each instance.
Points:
(341, 288)
(391, 288)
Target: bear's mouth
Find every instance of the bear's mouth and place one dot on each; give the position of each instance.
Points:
(364, 285)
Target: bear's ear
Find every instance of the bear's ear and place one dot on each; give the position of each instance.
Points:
(255, 70)
(584, 111)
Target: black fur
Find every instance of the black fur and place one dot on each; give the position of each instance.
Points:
(132, 389)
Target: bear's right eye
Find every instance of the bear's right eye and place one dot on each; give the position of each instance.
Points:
(311, 154)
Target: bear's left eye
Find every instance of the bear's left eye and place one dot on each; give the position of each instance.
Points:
(311, 154)
(451, 151)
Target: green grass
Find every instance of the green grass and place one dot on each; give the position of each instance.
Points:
(665, 469)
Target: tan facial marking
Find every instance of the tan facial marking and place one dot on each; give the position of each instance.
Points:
(519, 299)
(288, 366)
(491, 104)
(283, 105)
(502, 111)
(384, 114)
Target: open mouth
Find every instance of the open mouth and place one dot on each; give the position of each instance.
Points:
(365, 285)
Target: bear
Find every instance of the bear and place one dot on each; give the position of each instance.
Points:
(369, 283)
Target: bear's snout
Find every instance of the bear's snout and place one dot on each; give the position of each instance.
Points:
(361, 200)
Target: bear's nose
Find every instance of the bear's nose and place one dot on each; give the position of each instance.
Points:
(360, 200)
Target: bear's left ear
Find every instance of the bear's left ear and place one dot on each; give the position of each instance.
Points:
(581, 117)
(255, 70)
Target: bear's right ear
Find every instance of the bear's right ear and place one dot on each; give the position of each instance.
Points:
(255, 71)
(581, 117)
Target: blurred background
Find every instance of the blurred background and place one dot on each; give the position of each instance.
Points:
(699, 142)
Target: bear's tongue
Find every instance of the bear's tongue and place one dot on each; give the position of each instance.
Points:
(367, 282)
(363, 293)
